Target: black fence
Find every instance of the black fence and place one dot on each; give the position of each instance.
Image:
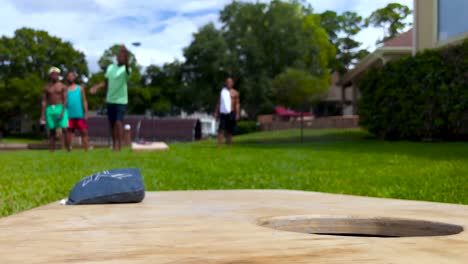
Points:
(148, 129)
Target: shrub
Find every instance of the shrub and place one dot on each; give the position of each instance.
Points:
(246, 127)
(423, 97)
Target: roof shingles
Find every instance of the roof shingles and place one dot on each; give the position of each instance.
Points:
(402, 40)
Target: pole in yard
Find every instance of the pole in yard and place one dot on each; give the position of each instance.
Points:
(302, 121)
(302, 126)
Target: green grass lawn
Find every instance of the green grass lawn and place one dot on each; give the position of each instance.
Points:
(19, 141)
(349, 162)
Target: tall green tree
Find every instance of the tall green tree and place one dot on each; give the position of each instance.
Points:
(350, 54)
(391, 19)
(317, 58)
(264, 40)
(297, 89)
(342, 31)
(164, 89)
(205, 68)
(24, 61)
(35, 51)
(97, 101)
(331, 22)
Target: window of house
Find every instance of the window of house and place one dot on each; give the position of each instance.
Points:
(453, 19)
(14, 126)
(18, 126)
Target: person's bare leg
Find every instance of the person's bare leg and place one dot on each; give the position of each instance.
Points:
(69, 139)
(65, 139)
(119, 134)
(85, 139)
(229, 139)
(52, 137)
(220, 138)
(112, 125)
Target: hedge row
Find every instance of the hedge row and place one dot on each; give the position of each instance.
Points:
(422, 97)
(246, 127)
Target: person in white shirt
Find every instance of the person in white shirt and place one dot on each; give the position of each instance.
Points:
(228, 111)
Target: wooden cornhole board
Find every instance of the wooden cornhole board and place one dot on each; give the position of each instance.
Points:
(222, 227)
(150, 147)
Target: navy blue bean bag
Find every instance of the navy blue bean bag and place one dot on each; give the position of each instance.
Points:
(115, 186)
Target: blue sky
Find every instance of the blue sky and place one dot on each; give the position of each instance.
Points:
(164, 27)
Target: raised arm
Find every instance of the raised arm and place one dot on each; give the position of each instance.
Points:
(98, 87)
(43, 104)
(126, 60)
(127, 68)
(85, 101)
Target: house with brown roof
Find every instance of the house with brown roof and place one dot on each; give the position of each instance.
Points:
(334, 99)
(437, 23)
(391, 49)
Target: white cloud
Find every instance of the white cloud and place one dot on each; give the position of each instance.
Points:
(163, 27)
(201, 5)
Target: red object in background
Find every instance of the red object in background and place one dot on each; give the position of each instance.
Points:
(283, 112)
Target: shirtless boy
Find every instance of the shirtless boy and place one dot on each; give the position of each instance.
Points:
(54, 113)
(228, 110)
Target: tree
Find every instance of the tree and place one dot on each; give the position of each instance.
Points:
(317, 58)
(22, 96)
(331, 22)
(35, 51)
(342, 30)
(296, 88)
(391, 19)
(97, 101)
(163, 87)
(256, 42)
(205, 68)
(350, 54)
(263, 40)
(24, 61)
(245, 29)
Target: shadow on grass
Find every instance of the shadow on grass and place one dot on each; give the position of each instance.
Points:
(355, 142)
(310, 136)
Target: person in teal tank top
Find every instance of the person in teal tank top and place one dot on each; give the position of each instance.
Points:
(77, 108)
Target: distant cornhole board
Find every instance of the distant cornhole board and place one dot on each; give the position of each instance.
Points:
(149, 147)
(239, 227)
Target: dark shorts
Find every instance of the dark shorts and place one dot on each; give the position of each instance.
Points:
(116, 112)
(227, 123)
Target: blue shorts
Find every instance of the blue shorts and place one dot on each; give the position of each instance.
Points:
(116, 112)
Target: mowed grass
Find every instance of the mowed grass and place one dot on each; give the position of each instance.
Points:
(346, 161)
(20, 141)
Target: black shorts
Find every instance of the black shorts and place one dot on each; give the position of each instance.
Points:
(116, 112)
(228, 123)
